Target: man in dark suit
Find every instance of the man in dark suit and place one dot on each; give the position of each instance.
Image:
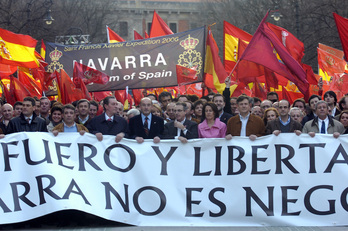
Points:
(283, 124)
(108, 123)
(28, 121)
(219, 101)
(146, 125)
(180, 128)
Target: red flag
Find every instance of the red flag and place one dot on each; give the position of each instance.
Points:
(159, 27)
(6, 70)
(330, 63)
(88, 75)
(185, 75)
(138, 95)
(294, 46)
(339, 84)
(286, 95)
(98, 96)
(113, 37)
(16, 89)
(259, 91)
(137, 36)
(146, 35)
(67, 92)
(342, 28)
(310, 74)
(266, 49)
(29, 84)
(17, 49)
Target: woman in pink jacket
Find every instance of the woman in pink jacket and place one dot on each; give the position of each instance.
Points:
(211, 127)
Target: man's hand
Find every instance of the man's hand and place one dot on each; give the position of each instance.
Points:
(139, 139)
(228, 81)
(276, 132)
(119, 137)
(55, 132)
(182, 139)
(320, 83)
(252, 137)
(156, 140)
(179, 125)
(298, 132)
(336, 135)
(82, 132)
(311, 134)
(2, 136)
(228, 137)
(99, 136)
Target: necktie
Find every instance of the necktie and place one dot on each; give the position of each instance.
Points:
(28, 120)
(146, 126)
(322, 127)
(109, 120)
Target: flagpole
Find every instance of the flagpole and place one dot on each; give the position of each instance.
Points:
(107, 33)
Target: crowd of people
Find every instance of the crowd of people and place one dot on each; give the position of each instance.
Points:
(185, 117)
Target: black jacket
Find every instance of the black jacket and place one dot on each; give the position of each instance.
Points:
(19, 124)
(136, 127)
(99, 124)
(170, 132)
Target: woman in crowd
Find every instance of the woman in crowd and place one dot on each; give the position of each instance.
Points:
(197, 111)
(343, 118)
(56, 117)
(211, 127)
(270, 114)
(157, 111)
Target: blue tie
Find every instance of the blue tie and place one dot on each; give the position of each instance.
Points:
(322, 127)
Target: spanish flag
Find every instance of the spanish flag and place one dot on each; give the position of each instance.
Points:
(17, 49)
(215, 73)
(113, 37)
(232, 34)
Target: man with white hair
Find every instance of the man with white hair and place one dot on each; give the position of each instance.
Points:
(323, 123)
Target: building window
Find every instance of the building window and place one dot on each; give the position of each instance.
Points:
(173, 27)
(123, 28)
(149, 24)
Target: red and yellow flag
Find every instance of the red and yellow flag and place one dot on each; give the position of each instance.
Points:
(214, 70)
(17, 49)
(232, 34)
(113, 37)
(330, 51)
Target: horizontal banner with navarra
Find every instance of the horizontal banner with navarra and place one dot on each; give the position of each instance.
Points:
(147, 63)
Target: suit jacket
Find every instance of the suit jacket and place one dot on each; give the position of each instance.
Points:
(170, 132)
(225, 117)
(99, 124)
(136, 127)
(19, 124)
(275, 125)
(255, 126)
(334, 126)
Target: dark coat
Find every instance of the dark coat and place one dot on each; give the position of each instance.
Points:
(170, 132)
(99, 124)
(136, 127)
(225, 117)
(19, 124)
(275, 125)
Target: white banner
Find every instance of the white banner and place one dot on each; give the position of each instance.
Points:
(287, 180)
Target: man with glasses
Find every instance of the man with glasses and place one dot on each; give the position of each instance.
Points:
(181, 128)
